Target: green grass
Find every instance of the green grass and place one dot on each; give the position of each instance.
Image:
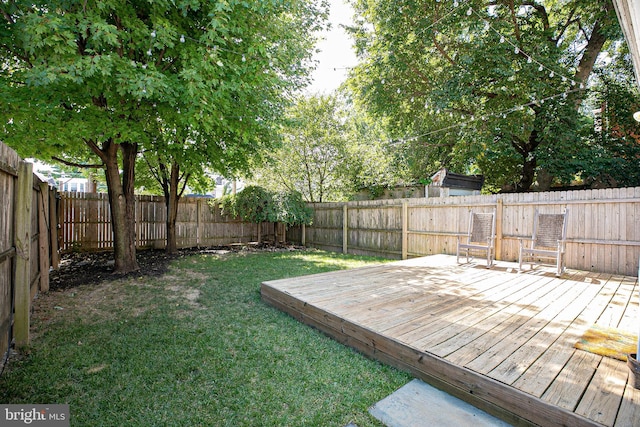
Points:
(196, 347)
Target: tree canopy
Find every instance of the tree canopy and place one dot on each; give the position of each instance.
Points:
(330, 150)
(492, 87)
(613, 153)
(313, 159)
(91, 82)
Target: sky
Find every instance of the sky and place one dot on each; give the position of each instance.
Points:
(336, 51)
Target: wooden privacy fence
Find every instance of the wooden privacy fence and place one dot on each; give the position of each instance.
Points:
(86, 223)
(28, 245)
(603, 231)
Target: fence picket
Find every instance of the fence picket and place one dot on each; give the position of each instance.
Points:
(200, 223)
(26, 227)
(603, 230)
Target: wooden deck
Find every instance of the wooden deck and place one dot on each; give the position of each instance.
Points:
(499, 339)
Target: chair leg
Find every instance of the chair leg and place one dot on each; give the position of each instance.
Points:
(520, 260)
(559, 265)
(559, 259)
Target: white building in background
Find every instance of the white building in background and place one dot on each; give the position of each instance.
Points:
(75, 185)
(223, 186)
(79, 184)
(60, 179)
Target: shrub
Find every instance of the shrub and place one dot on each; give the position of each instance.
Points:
(255, 204)
(292, 209)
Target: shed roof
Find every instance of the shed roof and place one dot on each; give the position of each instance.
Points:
(446, 178)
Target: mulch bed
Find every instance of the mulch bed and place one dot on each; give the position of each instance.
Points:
(84, 268)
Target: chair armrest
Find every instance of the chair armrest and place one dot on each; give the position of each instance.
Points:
(521, 240)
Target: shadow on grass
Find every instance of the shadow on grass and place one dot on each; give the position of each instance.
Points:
(195, 346)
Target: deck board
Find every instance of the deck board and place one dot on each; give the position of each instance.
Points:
(500, 339)
(629, 413)
(602, 397)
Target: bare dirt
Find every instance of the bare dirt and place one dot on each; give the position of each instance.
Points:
(77, 269)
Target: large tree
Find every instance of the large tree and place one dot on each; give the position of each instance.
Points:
(314, 158)
(613, 158)
(331, 149)
(178, 156)
(91, 79)
(489, 86)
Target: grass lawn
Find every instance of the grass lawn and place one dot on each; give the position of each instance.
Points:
(196, 347)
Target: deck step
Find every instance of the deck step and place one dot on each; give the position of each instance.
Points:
(419, 404)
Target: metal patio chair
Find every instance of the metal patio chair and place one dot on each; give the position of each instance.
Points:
(480, 237)
(547, 242)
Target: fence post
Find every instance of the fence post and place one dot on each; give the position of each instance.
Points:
(53, 228)
(199, 222)
(22, 243)
(405, 230)
(304, 236)
(43, 236)
(499, 229)
(345, 231)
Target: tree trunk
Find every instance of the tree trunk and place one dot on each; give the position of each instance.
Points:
(527, 150)
(528, 174)
(122, 204)
(259, 232)
(544, 180)
(594, 47)
(172, 214)
(583, 71)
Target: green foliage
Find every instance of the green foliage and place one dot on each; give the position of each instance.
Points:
(252, 204)
(292, 209)
(330, 150)
(467, 85)
(203, 81)
(314, 157)
(612, 158)
(190, 84)
(373, 161)
(256, 204)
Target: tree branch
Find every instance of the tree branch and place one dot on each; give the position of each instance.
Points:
(168, 64)
(567, 23)
(184, 184)
(153, 170)
(97, 150)
(541, 10)
(118, 23)
(7, 17)
(77, 165)
(17, 54)
(588, 59)
(516, 28)
(442, 51)
(161, 57)
(582, 29)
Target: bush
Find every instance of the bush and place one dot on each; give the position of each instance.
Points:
(292, 209)
(255, 204)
